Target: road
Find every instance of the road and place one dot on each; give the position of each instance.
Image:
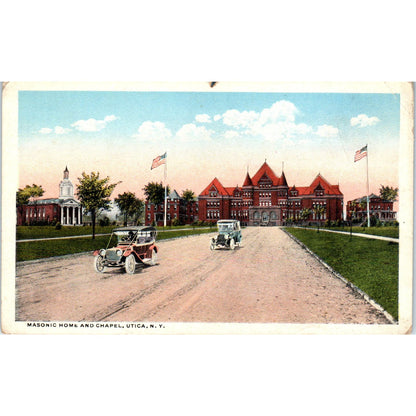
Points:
(270, 279)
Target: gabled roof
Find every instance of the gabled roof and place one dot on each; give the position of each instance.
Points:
(218, 186)
(265, 169)
(282, 180)
(174, 195)
(247, 181)
(321, 183)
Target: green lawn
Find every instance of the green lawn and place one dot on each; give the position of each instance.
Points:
(371, 265)
(41, 249)
(383, 231)
(47, 231)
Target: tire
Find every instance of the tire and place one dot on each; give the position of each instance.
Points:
(232, 244)
(130, 264)
(99, 264)
(153, 260)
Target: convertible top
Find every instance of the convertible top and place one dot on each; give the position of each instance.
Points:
(135, 228)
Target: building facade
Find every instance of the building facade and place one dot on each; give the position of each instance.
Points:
(266, 199)
(379, 208)
(65, 209)
(184, 212)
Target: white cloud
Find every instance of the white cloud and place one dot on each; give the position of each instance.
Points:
(362, 120)
(217, 117)
(45, 130)
(280, 110)
(192, 133)
(231, 134)
(327, 131)
(235, 118)
(153, 131)
(274, 123)
(203, 118)
(92, 124)
(61, 130)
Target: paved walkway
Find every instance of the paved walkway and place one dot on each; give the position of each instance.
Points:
(27, 240)
(373, 237)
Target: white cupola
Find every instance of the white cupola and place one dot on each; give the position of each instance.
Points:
(66, 189)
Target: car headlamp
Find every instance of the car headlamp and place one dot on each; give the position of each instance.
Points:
(102, 252)
(119, 252)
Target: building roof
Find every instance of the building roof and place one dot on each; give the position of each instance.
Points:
(265, 169)
(215, 183)
(321, 183)
(247, 181)
(174, 195)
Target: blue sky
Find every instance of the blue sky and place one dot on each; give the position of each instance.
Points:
(207, 134)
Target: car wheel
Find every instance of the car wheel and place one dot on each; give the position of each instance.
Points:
(130, 264)
(153, 259)
(99, 264)
(232, 244)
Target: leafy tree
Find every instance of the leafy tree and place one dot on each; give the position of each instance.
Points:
(304, 213)
(29, 194)
(155, 192)
(94, 194)
(318, 210)
(188, 195)
(129, 206)
(388, 193)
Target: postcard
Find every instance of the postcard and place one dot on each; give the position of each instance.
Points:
(207, 208)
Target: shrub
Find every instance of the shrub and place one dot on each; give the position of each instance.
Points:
(104, 221)
(58, 226)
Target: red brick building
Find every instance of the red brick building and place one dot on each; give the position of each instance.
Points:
(177, 209)
(266, 199)
(380, 208)
(65, 209)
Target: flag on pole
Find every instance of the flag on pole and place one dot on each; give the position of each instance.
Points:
(160, 160)
(359, 154)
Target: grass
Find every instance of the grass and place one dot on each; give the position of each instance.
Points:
(383, 231)
(371, 265)
(47, 231)
(33, 250)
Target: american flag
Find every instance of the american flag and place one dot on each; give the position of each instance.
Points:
(160, 160)
(359, 154)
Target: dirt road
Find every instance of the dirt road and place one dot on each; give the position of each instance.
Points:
(269, 279)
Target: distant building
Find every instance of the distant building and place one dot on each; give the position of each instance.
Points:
(379, 208)
(64, 209)
(266, 199)
(177, 209)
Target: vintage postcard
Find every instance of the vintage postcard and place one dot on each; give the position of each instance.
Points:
(207, 208)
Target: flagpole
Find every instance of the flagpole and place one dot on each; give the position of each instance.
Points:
(166, 168)
(368, 193)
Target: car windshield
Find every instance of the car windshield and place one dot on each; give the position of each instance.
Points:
(125, 237)
(225, 227)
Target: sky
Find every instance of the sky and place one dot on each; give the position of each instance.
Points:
(207, 135)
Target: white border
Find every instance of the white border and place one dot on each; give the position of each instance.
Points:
(10, 184)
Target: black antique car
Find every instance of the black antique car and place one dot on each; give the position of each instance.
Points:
(134, 245)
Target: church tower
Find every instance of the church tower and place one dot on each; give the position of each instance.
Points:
(66, 189)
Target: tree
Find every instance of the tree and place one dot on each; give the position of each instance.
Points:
(188, 195)
(129, 206)
(29, 194)
(304, 213)
(318, 210)
(388, 193)
(155, 192)
(94, 194)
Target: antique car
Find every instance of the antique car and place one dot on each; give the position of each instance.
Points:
(229, 235)
(133, 245)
